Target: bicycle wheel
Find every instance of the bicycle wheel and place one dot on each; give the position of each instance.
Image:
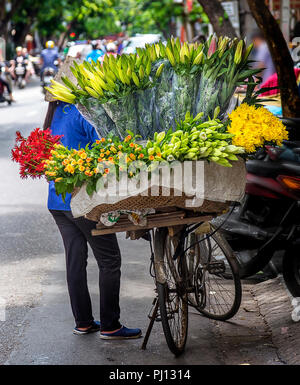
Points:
(214, 273)
(172, 297)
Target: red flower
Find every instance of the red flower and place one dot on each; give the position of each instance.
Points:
(31, 153)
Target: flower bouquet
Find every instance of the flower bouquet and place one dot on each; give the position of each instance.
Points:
(33, 152)
(176, 99)
(148, 91)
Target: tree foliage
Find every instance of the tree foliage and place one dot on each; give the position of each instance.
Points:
(94, 18)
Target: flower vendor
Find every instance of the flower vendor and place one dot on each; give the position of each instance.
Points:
(65, 120)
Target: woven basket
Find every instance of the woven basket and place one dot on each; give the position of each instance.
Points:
(156, 202)
(217, 187)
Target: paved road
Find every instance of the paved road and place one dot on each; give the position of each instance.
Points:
(38, 322)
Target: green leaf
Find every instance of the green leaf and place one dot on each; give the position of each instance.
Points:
(90, 188)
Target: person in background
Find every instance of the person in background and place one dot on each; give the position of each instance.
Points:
(25, 53)
(95, 54)
(64, 119)
(19, 58)
(49, 56)
(3, 85)
(120, 46)
(30, 67)
(262, 56)
(6, 76)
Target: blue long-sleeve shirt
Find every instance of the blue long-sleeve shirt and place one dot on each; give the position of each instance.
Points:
(77, 132)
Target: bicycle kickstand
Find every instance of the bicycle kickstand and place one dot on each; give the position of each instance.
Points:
(151, 323)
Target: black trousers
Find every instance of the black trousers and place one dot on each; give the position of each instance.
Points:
(76, 232)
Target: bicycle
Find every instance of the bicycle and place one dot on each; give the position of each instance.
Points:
(191, 269)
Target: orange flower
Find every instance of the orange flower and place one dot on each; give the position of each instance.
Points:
(132, 156)
(102, 150)
(102, 155)
(96, 171)
(70, 169)
(80, 161)
(98, 141)
(151, 157)
(141, 156)
(111, 159)
(127, 138)
(88, 160)
(100, 159)
(113, 149)
(120, 146)
(107, 152)
(102, 140)
(131, 145)
(83, 155)
(158, 154)
(106, 171)
(81, 168)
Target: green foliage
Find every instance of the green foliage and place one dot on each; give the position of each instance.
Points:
(95, 18)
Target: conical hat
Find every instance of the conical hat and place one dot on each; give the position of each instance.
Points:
(64, 70)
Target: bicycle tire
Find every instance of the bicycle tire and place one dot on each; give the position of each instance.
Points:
(164, 289)
(231, 273)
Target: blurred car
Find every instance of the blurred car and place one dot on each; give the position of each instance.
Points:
(79, 50)
(139, 41)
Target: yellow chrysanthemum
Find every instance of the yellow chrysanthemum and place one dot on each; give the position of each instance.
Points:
(252, 127)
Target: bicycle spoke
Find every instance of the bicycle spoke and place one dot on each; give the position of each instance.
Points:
(216, 291)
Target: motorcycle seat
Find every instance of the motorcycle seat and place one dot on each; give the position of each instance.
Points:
(272, 169)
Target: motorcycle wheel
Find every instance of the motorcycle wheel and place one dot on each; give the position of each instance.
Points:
(291, 271)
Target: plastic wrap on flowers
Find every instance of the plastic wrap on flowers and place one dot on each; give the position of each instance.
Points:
(145, 100)
(95, 114)
(207, 97)
(164, 100)
(124, 114)
(184, 88)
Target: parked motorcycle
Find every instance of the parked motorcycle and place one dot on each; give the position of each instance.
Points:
(267, 223)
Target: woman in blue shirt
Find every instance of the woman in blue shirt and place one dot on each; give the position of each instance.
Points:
(64, 119)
